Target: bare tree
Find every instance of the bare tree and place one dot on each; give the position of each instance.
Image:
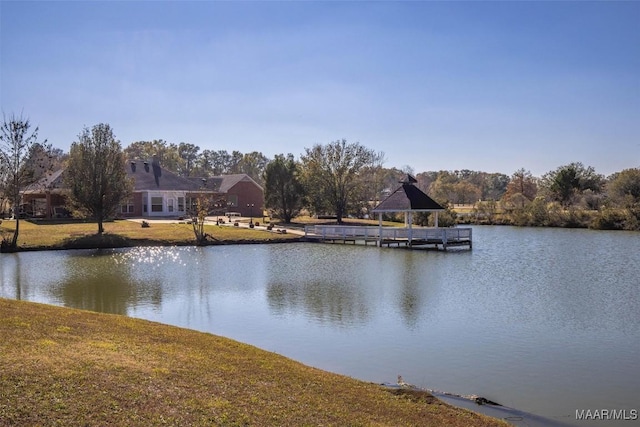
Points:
(333, 174)
(16, 145)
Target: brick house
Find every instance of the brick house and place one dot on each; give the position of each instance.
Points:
(157, 193)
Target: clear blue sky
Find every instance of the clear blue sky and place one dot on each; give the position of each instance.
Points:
(490, 86)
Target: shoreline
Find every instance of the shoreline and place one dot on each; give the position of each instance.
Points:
(74, 366)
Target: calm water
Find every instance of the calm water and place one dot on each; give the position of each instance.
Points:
(543, 320)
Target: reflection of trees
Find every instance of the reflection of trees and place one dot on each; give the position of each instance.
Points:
(324, 285)
(102, 283)
(325, 301)
(419, 272)
(410, 298)
(8, 263)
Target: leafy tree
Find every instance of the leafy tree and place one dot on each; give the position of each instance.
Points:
(96, 173)
(492, 185)
(234, 161)
(205, 163)
(221, 162)
(283, 189)
(188, 153)
(466, 192)
(624, 188)
(166, 154)
(253, 164)
(332, 173)
(16, 148)
(443, 189)
(567, 181)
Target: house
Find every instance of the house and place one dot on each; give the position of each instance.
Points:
(46, 197)
(157, 192)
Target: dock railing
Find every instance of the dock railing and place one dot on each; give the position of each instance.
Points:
(371, 233)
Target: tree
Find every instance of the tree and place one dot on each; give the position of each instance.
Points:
(522, 188)
(96, 173)
(466, 192)
(283, 190)
(16, 144)
(188, 154)
(205, 163)
(221, 160)
(253, 164)
(198, 211)
(624, 188)
(443, 189)
(332, 174)
(570, 180)
(166, 154)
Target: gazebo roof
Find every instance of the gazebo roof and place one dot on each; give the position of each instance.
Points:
(407, 198)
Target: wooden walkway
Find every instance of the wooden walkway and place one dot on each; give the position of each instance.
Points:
(414, 238)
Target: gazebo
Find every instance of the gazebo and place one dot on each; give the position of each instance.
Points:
(408, 199)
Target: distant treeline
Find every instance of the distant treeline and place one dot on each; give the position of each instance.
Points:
(572, 195)
(348, 179)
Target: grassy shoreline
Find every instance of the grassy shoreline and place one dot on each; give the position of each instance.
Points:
(65, 366)
(122, 233)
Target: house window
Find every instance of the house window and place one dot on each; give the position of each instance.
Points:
(170, 204)
(127, 207)
(181, 204)
(156, 204)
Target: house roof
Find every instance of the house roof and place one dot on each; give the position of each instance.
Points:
(223, 183)
(228, 181)
(406, 198)
(152, 176)
(50, 181)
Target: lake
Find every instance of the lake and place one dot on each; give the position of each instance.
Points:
(543, 320)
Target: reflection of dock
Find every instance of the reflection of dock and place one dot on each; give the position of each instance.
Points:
(415, 238)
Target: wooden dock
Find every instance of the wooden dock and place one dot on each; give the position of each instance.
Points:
(410, 237)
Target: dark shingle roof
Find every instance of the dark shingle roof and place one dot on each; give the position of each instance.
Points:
(408, 197)
(152, 176)
(224, 183)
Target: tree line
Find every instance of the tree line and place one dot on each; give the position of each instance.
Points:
(337, 179)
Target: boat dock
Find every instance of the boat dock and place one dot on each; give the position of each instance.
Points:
(438, 238)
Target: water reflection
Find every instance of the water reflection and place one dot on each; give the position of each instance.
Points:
(11, 274)
(335, 295)
(416, 285)
(104, 282)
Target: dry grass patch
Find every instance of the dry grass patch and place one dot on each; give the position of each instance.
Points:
(69, 367)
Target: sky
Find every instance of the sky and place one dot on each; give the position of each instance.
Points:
(487, 86)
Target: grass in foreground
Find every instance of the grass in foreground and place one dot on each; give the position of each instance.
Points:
(63, 366)
(36, 235)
